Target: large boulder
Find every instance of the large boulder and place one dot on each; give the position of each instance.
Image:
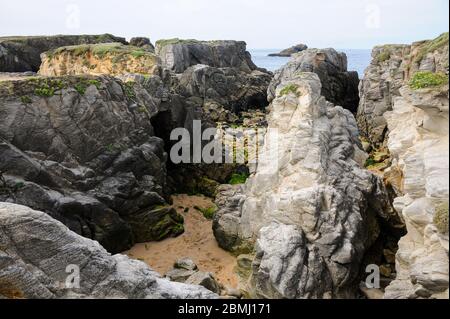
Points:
(84, 150)
(392, 67)
(177, 55)
(311, 212)
(339, 86)
(96, 59)
(41, 258)
(20, 54)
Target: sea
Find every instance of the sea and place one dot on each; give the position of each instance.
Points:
(358, 59)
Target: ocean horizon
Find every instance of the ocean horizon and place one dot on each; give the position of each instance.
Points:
(358, 59)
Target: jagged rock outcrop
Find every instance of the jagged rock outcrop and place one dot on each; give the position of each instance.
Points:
(392, 66)
(39, 254)
(21, 54)
(178, 55)
(84, 150)
(143, 43)
(223, 93)
(290, 51)
(96, 59)
(339, 86)
(311, 212)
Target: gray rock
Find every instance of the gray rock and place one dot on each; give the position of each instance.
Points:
(205, 279)
(87, 159)
(290, 51)
(179, 275)
(311, 211)
(38, 253)
(339, 86)
(178, 55)
(391, 68)
(185, 263)
(224, 91)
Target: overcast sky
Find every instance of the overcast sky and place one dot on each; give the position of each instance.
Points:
(261, 23)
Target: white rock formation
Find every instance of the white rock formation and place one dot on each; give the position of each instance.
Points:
(311, 211)
(418, 141)
(38, 254)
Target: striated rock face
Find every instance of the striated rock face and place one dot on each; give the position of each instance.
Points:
(223, 93)
(178, 55)
(109, 58)
(20, 54)
(38, 254)
(84, 150)
(290, 51)
(404, 108)
(339, 86)
(418, 141)
(311, 212)
(392, 66)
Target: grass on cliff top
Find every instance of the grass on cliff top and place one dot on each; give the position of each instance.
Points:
(163, 42)
(102, 49)
(427, 79)
(431, 46)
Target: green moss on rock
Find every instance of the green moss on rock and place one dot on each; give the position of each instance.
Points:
(441, 218)
(238, 178)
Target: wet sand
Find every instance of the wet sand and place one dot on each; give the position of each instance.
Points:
(197, 243)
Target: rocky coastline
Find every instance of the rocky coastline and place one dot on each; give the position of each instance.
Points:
(361, 174)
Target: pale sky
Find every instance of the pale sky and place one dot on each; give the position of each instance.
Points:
(261, 23)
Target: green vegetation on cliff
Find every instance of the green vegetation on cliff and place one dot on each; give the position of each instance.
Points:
(101, 50)
(427, 79)
(441, 218)
(163, 42)
(238, 178)
(431, 46)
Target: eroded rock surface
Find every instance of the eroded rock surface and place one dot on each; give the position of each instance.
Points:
(418, 142)
(392, 66)
(106, 58)
(339, 86)
(178, 55)
(21, 54)
(84, 150)
(38, 254)
(311, 212)
(404, 109)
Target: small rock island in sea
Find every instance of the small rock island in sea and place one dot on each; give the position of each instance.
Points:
(290, 51)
